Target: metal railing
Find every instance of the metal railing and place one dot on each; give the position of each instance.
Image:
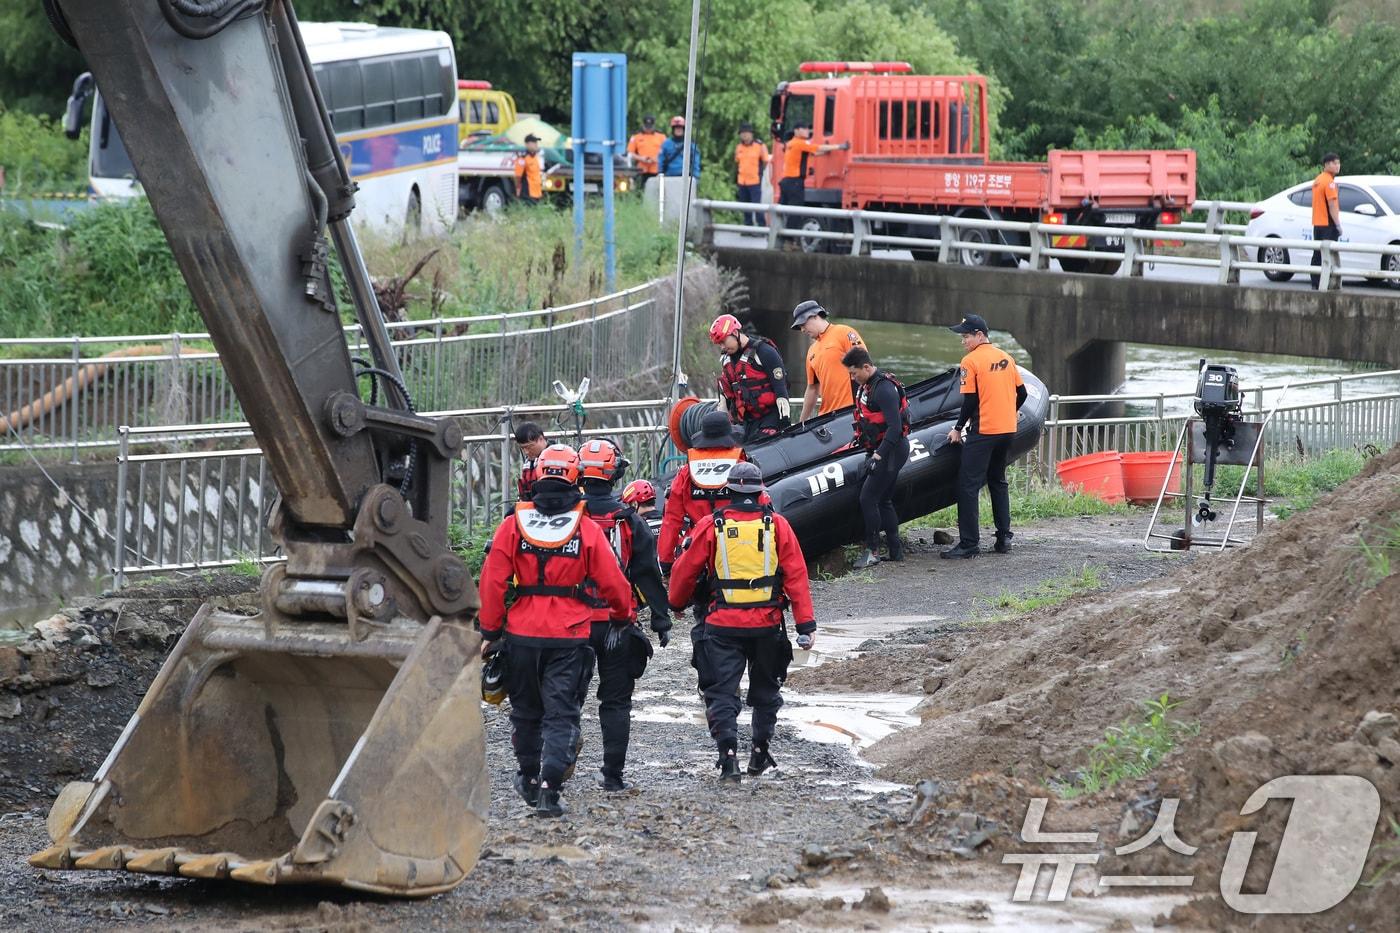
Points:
(1349, 419)
(207, 509)
(197, 510)
(966, 240)
(78, 401)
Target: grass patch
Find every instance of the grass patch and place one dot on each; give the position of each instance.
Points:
(1381, 553)
(1129, 750)
(248, 565)
(1043, 500)
(1388, 849)
(1296, 482)
(469, 543)
(1050, 592)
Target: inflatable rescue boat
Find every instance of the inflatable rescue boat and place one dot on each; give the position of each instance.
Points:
(812, 471)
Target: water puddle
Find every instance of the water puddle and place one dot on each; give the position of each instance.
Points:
(968, 908)
(843, 637)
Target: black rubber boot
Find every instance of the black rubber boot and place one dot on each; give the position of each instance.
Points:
(549, 805)
(528, 788)
(962, 550)
(1003, 545)
(895, 549)
(759, 759)
(612, 783)
(729, 761)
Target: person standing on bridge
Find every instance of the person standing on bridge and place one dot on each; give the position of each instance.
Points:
(792, 187)
(644, 146)
(671, 160)
(882, 431)
(992, 393)
(1326, 217)
(745, 563)
(827, 378)
(750, 158)
(752, 380)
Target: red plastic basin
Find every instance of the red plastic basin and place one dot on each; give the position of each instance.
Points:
(1143, 474)
(1099, 475)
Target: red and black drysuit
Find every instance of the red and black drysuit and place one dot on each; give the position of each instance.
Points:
(735, 637)
(555, 561)
(697, 490)
(881, 419)
(751, 381)
(634, 547)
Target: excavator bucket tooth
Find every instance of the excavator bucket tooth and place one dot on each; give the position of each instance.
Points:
(294, 753)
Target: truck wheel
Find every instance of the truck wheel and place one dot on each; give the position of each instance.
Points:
(1275, 254)
(494, 199)
(971, 256)
(1091, 266)
(813, 244)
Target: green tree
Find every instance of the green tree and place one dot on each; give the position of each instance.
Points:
(36, 68)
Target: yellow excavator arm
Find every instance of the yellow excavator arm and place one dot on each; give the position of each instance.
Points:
(335, 737)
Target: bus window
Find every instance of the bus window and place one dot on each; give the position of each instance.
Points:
(408, 90)
(476, 111)
(109, 158)
(493, 112)
(379, 93)
(348, 94)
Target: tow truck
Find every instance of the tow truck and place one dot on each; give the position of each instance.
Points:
(921, 144)
(486, 167)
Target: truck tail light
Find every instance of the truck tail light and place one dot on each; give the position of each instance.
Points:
(1169, 217)
(554, 183)
(1255, 213)
(1054, 217)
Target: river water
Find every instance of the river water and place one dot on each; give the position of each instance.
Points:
(914, 352)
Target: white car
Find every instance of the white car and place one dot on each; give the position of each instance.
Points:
(1370, 206)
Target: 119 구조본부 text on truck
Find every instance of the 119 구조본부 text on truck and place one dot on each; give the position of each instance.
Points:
(921, 144)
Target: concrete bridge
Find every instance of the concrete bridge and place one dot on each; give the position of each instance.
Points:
(1073, 326)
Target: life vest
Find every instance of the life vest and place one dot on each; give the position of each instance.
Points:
(618, 532)
(746, 573)
(548, 537)
(528, 475)
(748, 384)
(709, 471)
(870, 421)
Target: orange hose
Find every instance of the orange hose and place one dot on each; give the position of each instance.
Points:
(70, 387)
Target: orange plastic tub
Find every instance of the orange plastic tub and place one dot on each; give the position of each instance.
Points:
(1099, 475)
(1143, 474)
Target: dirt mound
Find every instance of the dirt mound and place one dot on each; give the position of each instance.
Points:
(68, 690)
(1277, 652)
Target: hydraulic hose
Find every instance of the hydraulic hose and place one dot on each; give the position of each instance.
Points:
(221, 12)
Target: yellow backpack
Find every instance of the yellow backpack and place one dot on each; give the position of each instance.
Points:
(746, 562)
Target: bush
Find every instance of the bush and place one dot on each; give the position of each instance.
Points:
(38, 159)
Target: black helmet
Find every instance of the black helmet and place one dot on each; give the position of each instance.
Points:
(493, 678)
(745, 477)
(802, 312)
(716, 430)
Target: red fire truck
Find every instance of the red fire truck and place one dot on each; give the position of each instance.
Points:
(919, 144)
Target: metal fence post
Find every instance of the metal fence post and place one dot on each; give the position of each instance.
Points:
(1229, 272)
(1038, 260)
(593, 336)
(1328, 280)
(437, 403)
(775, 224)
(945, 238)
(705, 218)
(1337, 413)
(1129, 268)
(73, 403)
(1213, 216)
(1053, 447)
(119, 512)
(860, 228)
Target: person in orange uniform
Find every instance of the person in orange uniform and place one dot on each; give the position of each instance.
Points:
(699, 487)
(827, 378)
(751, 565)
(556, 563)
(750, 158)
(792, 188)
(529, 172)
(992, 393)
(1326, 218)
(644, 146)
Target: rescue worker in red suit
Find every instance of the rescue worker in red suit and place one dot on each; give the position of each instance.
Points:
(755, 568)
(881, 422)
(699, 487)
(618, 643)
(554, 561)
(752, 380)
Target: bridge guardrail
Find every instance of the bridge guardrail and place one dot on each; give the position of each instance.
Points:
(76, 402)
(199, 510)
(956, 241)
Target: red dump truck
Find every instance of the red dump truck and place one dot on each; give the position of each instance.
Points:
(920, 144)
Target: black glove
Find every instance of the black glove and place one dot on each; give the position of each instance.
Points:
(613, 641)
(663, 636)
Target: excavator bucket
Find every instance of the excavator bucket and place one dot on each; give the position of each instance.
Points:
(294, 753)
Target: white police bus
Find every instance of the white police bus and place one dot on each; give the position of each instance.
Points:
(392, 97)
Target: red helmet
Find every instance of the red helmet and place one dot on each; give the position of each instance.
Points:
(558, 461)
(639, 492)
(726, 325)
(677, 121)
(601, 459)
